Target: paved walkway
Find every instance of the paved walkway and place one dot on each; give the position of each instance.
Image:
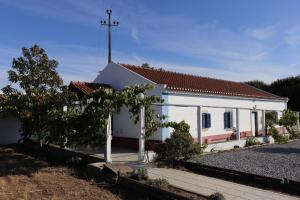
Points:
(118, 154)
(207, 185)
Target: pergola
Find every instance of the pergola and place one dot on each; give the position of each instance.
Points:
(83, 88)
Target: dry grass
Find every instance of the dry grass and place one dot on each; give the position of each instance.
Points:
(24, 177)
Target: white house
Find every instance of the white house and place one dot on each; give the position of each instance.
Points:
(220, 113)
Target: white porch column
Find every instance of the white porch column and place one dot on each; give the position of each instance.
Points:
(237, 120)
(142, 135)
(199, 124)
(107, 154)
(264, 122)
(298, 122)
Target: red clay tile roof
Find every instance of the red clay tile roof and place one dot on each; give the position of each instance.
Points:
(197, 84)
(86, 88)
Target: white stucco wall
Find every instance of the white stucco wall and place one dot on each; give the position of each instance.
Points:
(9, 129)
(189, 114)
(119, 77)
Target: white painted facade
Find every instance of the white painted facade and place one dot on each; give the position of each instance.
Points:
(183, 106)
(119, 77)
(216, 106)
(9, 129)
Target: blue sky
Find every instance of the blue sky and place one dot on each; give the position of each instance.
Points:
(238, 40)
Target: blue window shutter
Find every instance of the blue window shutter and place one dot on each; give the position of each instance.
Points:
(203, 120)
(208, 121)
(231, 121)
(225, 120)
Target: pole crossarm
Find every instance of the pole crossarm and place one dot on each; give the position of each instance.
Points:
(109, 24)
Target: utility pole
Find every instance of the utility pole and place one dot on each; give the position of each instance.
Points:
(109, 24)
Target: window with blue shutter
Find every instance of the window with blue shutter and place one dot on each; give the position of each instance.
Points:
(228, 120)
(206, 120)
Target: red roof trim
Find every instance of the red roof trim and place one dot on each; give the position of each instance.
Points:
(87, 88)
(196, 84)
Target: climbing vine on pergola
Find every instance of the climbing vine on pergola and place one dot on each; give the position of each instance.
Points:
(40, 100)
(104, 102)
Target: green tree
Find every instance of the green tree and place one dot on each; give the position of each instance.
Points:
(288, 87)
(40, 89)
(41, 96)
(271, 119)
(259, 84)
(289, 120)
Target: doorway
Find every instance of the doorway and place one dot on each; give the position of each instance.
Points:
(254, 124)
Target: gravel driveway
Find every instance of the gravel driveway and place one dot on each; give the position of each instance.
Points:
(276, 161)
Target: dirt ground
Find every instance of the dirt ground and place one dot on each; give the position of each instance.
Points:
(25, 177)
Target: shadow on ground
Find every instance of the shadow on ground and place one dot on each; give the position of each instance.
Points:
(14, 163)
(278, 150)
(16, 160)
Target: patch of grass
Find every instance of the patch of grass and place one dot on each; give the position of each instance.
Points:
(216, 196)
(139, 174)
(159, 183)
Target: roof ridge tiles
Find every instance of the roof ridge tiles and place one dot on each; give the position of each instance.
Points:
(179, 73)
(195, 83)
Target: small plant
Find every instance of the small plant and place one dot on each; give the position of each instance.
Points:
(140, 174)
(216, 196)
(252, 141)
(279, 138)
(159, 183)
(180, 146)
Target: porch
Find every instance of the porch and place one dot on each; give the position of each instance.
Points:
(119, 154)
(236, 135)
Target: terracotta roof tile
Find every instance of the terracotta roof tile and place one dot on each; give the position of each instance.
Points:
(85, 87)
(197, 84)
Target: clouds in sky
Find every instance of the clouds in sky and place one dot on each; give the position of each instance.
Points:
(292, 36)
(176, 41)
(262, 33)
(135, 34)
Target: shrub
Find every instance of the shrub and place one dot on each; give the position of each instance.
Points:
(216, 196)
(140, 174)
(159, 183)
(271, 119)
(289, 120)
(279, 138)
(180, 146)
(252, 141)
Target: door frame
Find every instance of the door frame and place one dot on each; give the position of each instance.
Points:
(255, 128)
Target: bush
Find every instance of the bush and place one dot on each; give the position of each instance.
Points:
(140, 174)
(216, 196)
(180, 146)
(159, 183)
(279, 138)
(289, 120)
(252, 141)
(271, 119)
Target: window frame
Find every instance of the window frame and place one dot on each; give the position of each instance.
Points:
(206, 120)
(228, 120)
